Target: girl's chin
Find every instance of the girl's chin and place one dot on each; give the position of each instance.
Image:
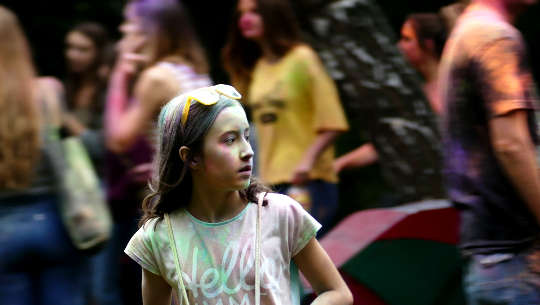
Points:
(244, 185)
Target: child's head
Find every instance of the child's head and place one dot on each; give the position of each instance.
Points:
(422, 35)
(201, 143)
(255, 23)
(86, 47)
(168, 31)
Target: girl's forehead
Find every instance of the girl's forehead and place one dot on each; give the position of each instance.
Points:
(233, 117)
(246, 5)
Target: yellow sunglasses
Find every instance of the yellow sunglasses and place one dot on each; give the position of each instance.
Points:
(208, 96)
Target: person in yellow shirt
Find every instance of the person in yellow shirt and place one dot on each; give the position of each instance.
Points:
(294, 103)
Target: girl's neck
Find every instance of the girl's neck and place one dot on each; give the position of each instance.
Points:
(88, 79)
(267, 53)
(431, 91)
(429, 69)
(212, 205)
(175, 58)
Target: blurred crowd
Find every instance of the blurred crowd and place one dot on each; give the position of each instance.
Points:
(474, 75)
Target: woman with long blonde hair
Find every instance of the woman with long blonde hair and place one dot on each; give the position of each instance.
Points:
(39, 264)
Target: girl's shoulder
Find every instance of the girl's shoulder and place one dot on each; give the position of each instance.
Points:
(155, 230)
(282, 203)
(50, 92)
(302, 51)
(277, 198)
(151, 226)
(157, 74)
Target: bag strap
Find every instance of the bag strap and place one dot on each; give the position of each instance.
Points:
(258, 251)
(172, 243)
(51, 102)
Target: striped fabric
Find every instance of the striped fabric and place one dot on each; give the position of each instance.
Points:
(187, 77)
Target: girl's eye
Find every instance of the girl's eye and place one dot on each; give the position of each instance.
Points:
(229, 140)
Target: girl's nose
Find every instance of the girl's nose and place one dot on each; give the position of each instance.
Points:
(247, 152)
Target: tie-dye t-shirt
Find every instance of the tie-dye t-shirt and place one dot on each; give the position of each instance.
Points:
(292, 100)
(483, 74)
(217, 259)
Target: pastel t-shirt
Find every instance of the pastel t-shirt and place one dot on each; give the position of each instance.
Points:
(217, 259)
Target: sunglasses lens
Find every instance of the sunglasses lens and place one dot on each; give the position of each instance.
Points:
(228, 91)
(205, 97)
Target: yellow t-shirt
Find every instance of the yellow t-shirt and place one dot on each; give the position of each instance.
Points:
(292, 100)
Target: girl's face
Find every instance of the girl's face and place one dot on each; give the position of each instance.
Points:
(227, 156)
(409, 45)
(250, 21)
(80, 52)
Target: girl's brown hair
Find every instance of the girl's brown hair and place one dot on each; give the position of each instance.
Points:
(104, 53)
(281, 33)
(429, 26)
(19, 112)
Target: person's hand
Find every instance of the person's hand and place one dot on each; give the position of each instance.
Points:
(73, 125)
(130, 50)
(301, 173)
(131, 63)
(142, 172)
(338, 165)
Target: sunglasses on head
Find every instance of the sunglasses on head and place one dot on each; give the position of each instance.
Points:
(208, 96)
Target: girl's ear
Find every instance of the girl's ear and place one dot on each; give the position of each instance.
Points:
(186, 156)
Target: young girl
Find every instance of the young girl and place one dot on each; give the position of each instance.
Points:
(201, 218)
(88, 55)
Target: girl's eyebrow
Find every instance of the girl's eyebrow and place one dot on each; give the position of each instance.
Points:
(238, 131)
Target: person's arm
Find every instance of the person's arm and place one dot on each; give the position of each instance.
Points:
(505, 83)
(73, 125)
(155, 290)
(323, 276)
(515, 151)
(322, 141)
(362, 156)
(125, 122)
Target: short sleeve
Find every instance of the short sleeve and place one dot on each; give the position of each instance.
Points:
(329, 114)
(140, 248)
(302, 227)
(503, 76)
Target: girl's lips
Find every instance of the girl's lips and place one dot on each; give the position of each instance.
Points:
(246, 168)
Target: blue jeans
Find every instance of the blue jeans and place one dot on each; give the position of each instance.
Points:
(324, 201)
(501, 279)
(111, 269)
(38, 263)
